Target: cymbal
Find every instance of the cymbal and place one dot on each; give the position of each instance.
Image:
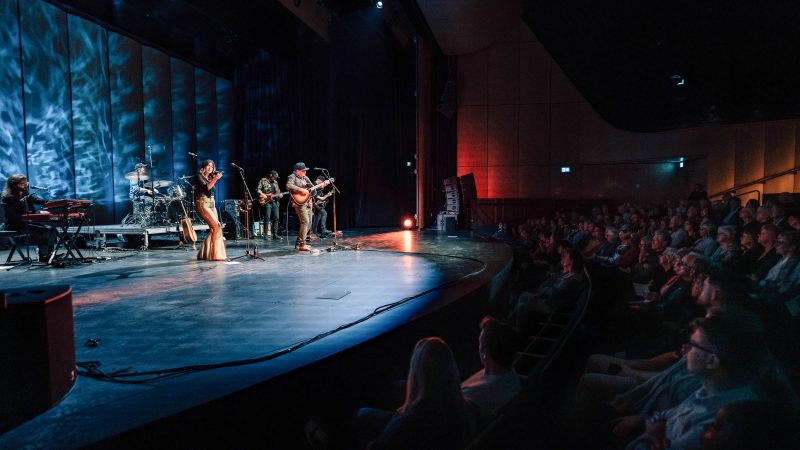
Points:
(134, 176)
(158, 184)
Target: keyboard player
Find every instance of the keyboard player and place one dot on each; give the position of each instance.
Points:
(17, 201)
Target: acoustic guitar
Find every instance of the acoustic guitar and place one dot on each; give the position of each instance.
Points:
(186, 226)
(301, 198)
(263, 199)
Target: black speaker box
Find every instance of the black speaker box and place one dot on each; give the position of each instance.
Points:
(37, 351)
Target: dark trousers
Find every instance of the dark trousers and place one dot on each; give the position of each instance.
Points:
(271, 214)
(44, 236)
(318, 222)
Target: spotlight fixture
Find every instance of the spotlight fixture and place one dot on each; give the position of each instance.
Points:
(379, 4)
(565, 169)
(408, 222)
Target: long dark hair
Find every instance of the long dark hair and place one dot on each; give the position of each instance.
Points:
(204, 163)
(12, 182)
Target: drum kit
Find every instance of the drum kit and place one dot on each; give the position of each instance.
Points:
(152, 207)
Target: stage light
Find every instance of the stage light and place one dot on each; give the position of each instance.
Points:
(680, 162)
(379, 5)
(565, 169)
(408, 222)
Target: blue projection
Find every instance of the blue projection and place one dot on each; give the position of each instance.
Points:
(206, 101)
(127, 115)
(225, 136)
(91, 115)
(48, 115)
(80, 105)
(157, 111)
(184, 136)
(12, 120)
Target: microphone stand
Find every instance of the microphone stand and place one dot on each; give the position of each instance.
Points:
(335, 245)
(248, 205)
(192, 210)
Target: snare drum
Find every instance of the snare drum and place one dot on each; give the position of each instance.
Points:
(176, 192)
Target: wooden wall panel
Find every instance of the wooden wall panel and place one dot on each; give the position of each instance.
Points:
(472, 125)
(534, 73)
(749, 156)
(503, 135)
(534, 182)
(564, 132)
(562, 90)
(534, 134)
(594, 135)
(503, 74)
(502, 181)
(471, 75)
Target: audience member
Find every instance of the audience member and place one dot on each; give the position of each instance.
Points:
(749, 222)
(496, 384)
(769, 256)
(559, 290)
(648, 266)
(728, 249)
(779, 218)
(707, 244)
(435, 414)
(728, 354)
(780, 284)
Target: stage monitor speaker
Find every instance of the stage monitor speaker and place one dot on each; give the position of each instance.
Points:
(37, 351)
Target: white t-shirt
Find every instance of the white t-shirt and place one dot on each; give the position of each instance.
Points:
(491, 392)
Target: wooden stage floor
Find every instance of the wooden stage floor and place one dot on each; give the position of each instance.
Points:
(162, 309)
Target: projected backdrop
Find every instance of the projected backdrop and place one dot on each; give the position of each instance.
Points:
(82, 105)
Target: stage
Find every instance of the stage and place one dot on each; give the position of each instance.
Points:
(205, 331)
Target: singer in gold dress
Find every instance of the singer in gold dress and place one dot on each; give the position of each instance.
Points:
(213, 247)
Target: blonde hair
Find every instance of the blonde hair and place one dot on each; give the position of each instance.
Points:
(433, 376)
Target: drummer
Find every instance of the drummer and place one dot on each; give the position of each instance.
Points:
(137, 179)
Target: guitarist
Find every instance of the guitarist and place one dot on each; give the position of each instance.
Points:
(320, 215)
(267, 188)
(298, 182)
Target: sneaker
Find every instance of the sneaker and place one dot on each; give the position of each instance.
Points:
(275, 238)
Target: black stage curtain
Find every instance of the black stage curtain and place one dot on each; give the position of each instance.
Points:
(346, 105)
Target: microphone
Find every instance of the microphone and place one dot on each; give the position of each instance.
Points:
(234, 165)
(320, 168)
(38, 187)
(193, 154)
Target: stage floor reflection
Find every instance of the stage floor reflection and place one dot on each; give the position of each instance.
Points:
(250, 319)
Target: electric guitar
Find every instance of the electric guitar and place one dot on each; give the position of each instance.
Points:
(265, 198)
(301, 198)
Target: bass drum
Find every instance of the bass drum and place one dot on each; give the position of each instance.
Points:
(176, 192)
(175, 210)
(159, 217)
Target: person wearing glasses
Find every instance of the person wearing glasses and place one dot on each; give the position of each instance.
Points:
(727, 352)
(728, 249)
(782, 282)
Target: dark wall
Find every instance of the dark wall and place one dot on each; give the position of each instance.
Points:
(346, 105)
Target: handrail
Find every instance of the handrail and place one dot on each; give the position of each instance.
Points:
(758, 181)
(739, 194)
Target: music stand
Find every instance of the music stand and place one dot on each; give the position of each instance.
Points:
(248, 205)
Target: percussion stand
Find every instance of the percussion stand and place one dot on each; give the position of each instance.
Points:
(336, 190)
(246, 208)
